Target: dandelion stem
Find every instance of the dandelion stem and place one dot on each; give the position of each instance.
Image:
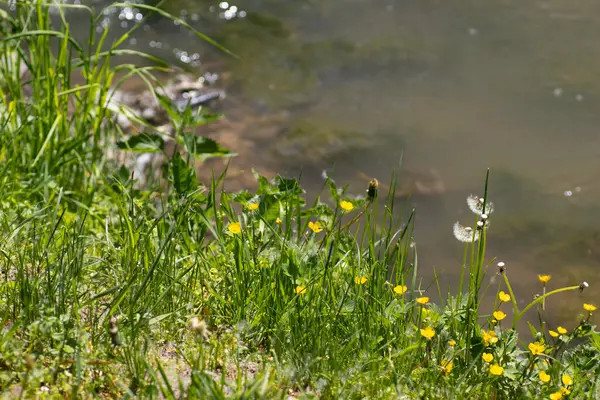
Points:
(539, 300)
(512, 298)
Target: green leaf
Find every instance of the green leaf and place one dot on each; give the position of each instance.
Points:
(166, 103)
(143, 143)
(184, 177)
(68, 349)
(201, 118)
(242, 197)
(288, 186)
(202, 148)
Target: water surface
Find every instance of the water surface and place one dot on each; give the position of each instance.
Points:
(458, 86)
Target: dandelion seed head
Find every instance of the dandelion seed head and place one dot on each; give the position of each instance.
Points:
(476, 205)
(465, 234)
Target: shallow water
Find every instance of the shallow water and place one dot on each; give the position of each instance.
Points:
(455, 85)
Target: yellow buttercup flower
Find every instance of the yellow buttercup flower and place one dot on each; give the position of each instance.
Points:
(566, 380)
(561, 330)
(400, 289)
(346, 205)
(556, 396)
(536, 348)
(489, 337)
(359, 280)
(427, 333)
(496, 370)
(235, 228)
(278, 221)
(252, 206)
(446, 367)
(452, 343)
(504, 297)
(553, 334)
(589, 307)
(300, 289)
(565, 391)
(499, 315)
(315, 226)
(544, 278)
(422, 300)
(487, 357)
(544, 377)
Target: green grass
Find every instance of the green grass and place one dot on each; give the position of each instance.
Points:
(108, 290)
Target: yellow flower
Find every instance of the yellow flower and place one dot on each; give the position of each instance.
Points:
(487, 357)
(489, 337)
(544, 278)
(346, 205)
(452, 343)
(359, 280)
(447, 367)
(561, 330)
(400, 289)
(504, 297)
(278, 221)
(427, 333)
(300, 289)
(589, 307)
(235, 228)
(556, 396)
(544, 377)
(566, 380)
(315, 226)
(252, 206)
(553, 334)
(496, 370)
(499, 315)
(423, 300)
(565, 391)
(536, 348)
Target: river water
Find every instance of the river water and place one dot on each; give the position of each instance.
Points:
(454, 86)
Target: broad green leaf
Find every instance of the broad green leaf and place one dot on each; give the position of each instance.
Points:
(202, 148)
(184, 177)
(143, 143)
